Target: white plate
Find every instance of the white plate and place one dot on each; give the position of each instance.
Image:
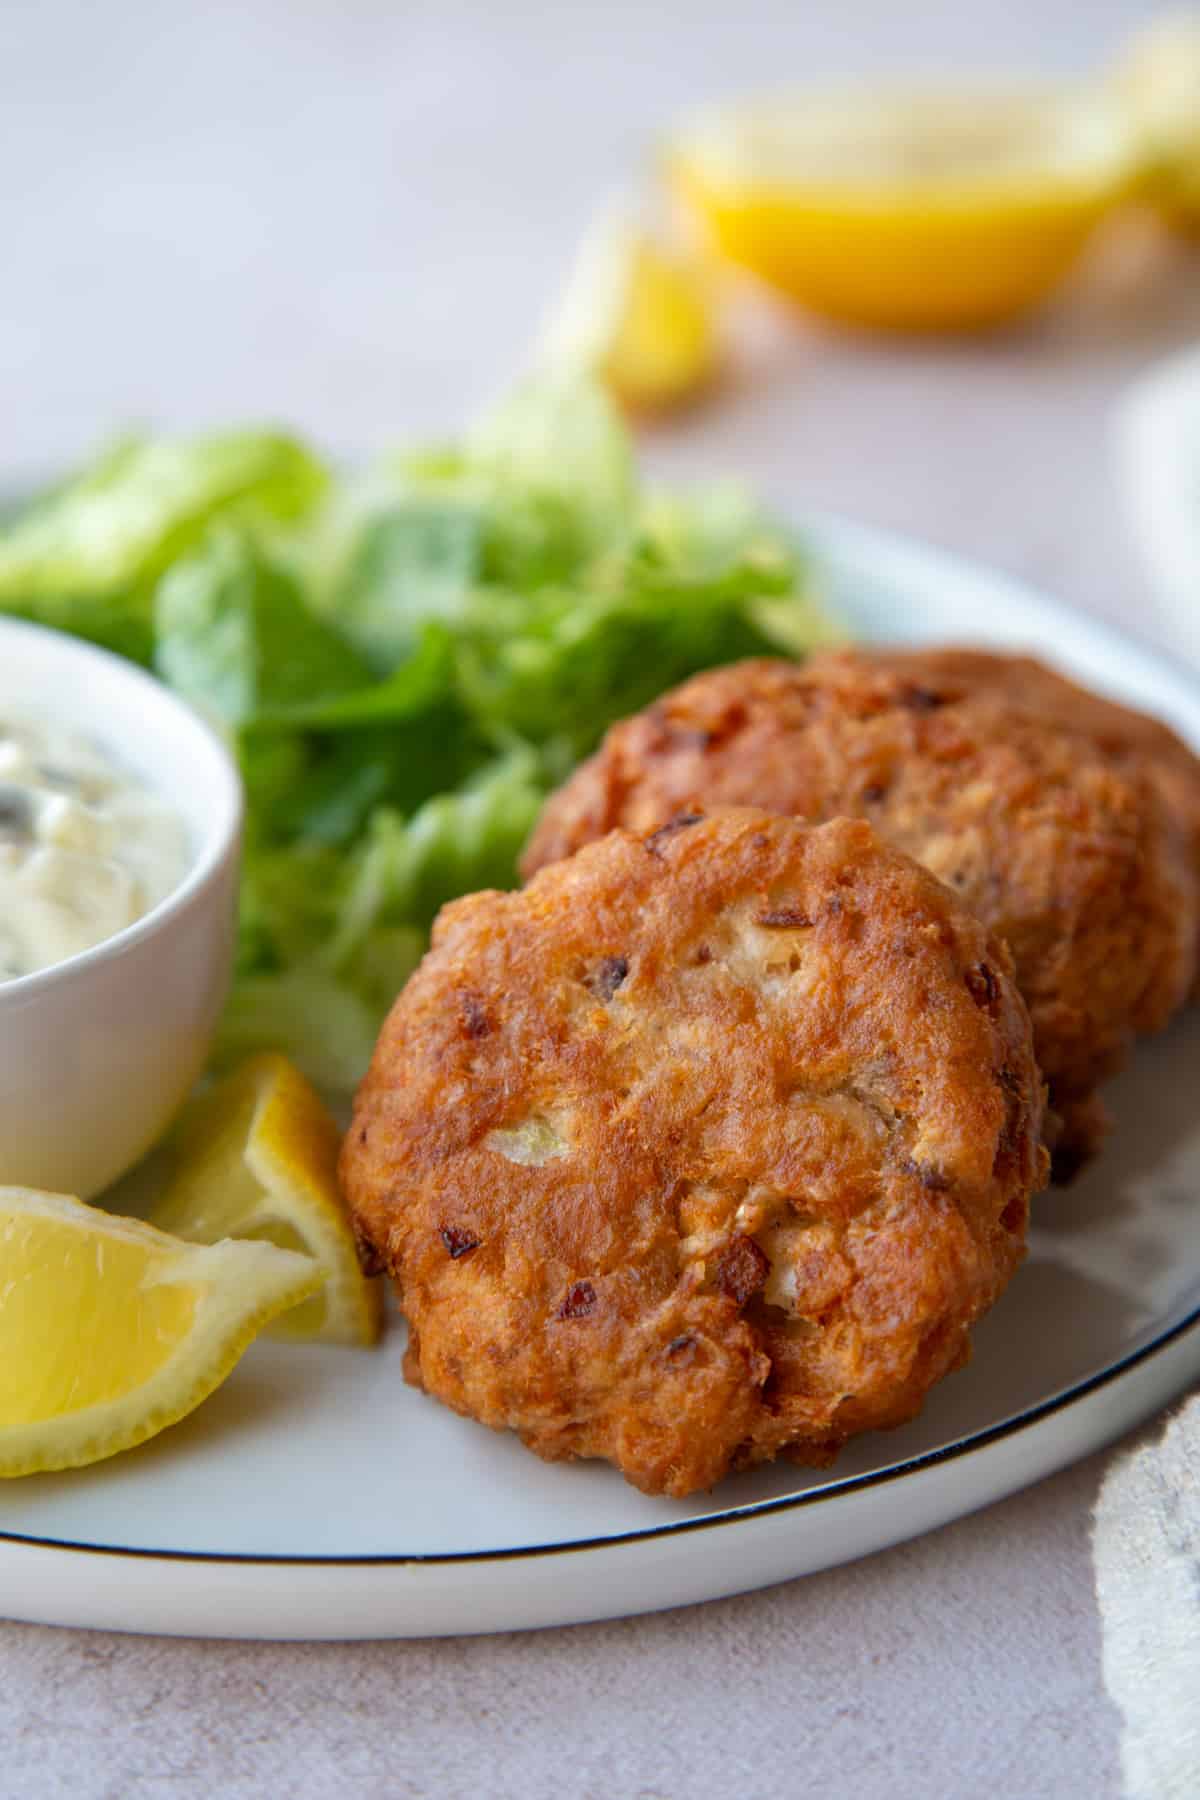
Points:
(316, 1496)
(1158, 463)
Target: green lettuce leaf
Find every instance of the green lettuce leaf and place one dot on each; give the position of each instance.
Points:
(413, 560)
(87, 556)
(564, 663)
(327, 939)
(454, 844)
(326, 1028)
(317, 770)
(561, 440)
(541, 487)
(236, 637)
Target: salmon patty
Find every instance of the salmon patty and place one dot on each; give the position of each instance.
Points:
(1068, 824)
(709, 1145)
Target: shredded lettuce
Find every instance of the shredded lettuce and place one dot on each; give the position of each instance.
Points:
(560, 443)
(405, 660)
(322, 1024)
(236, 637)
(86, 557)
(456, 842)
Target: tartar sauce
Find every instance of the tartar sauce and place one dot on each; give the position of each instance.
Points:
(85, 847)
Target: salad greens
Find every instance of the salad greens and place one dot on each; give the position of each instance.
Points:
(87, 556)
(405, 660)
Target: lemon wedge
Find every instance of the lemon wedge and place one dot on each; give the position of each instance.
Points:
(110, 1330)
(1159, 78)
(920, 211)
(638, 314)
(256, 1157)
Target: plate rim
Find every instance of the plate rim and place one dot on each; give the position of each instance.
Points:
(823, 531)
(957, 1450)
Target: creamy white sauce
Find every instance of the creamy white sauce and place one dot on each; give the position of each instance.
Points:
(85, 847)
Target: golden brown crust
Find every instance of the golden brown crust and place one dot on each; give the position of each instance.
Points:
(1069, 824)
(1128, 739)
(706, 1146)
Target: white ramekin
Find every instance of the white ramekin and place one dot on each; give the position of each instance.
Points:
(97, 1052)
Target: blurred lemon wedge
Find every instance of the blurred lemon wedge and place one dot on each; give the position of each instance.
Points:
(256, 1157)
(638, 314)
(1159, 80)
(921, 211)
(110, 1331)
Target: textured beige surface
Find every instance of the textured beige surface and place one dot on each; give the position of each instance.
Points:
(965, 1663)
(348, 213)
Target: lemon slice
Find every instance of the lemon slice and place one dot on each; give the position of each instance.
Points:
(1159, 79)
(907, 211)
(256, 1157)
(637, 314)
(110, 1331)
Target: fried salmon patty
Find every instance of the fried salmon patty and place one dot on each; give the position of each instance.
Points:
(1070, 825)
(708, 1145)
(1129, 739)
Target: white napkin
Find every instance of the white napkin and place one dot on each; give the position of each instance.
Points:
(1146, 1532)
(1146, 1546)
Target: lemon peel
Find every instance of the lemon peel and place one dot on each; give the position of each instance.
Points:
(256, 1157)
(907, 211)
(111, 1330)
